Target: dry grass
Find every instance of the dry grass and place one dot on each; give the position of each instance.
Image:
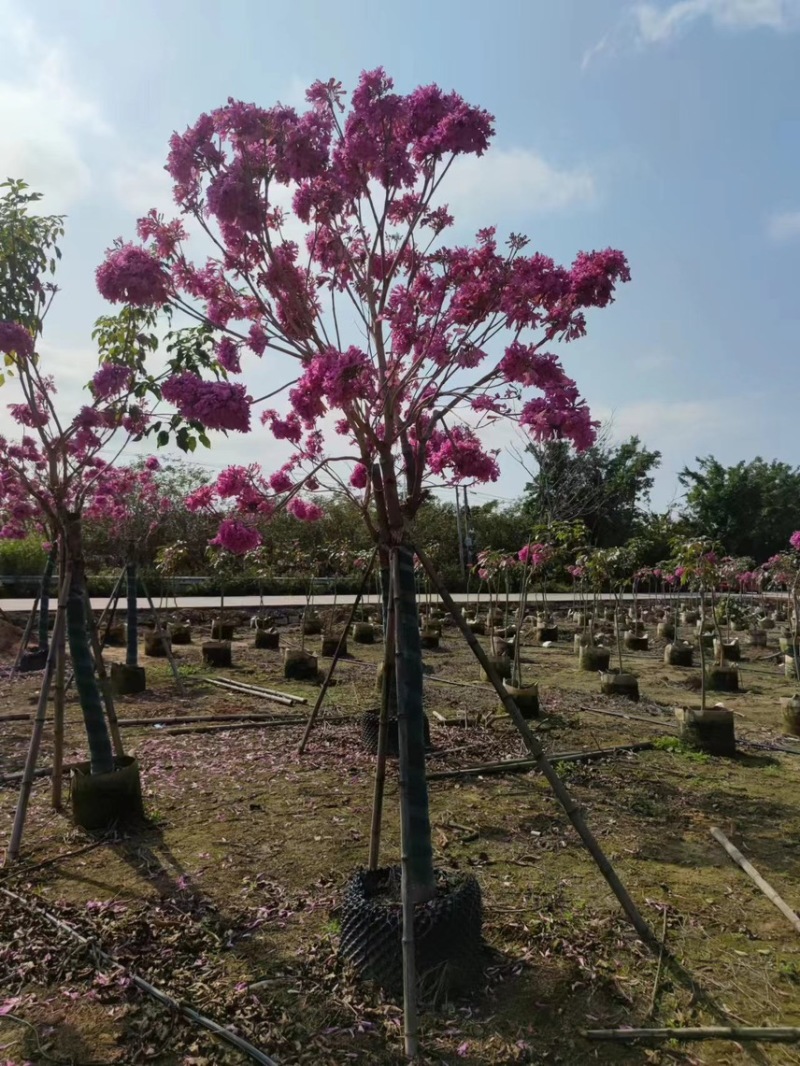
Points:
(236, 881)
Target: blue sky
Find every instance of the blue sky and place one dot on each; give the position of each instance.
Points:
(670, 130)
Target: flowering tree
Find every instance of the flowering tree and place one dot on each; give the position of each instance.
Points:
(403, 348)
(52, 467)
(129, 500)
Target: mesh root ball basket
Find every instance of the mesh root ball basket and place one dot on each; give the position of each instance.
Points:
(447, 931)
(370, 725)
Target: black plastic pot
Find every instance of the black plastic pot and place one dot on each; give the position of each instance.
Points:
(546, 633)
(311, 625)
(429, 638)
(127, 680)
(526, 699)
(100, 801)
(217, 653)
(115, 637)
(180, 633)
(678, 655)
(620, 685)
(594, 659)
(710, 731)
(636, 642)
(33, 660)
(222, 630)
(448, 940)
(299, 665)
(363, 632)
(155, 645)
(267, 638)
(370, 725)
(330, 644)
(723, 679)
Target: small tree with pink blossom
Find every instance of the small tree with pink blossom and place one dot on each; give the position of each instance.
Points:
(52, 467)
(404, 349)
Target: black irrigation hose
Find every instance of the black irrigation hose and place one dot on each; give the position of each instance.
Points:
(145, 986)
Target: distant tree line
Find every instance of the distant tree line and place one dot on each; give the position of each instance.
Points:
(750, 509)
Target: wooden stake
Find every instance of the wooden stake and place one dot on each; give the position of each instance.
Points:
(534, 747)
(336, 655)
(167, 644)
(12, 852)
(410, 1013)
(252, 690)
(103, 679)
(522, 766)
(768, 1035)
(59, 706)
(26, 636)
(387, 681)
(755, 876)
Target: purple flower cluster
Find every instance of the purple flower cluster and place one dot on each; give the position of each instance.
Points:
(216, 404)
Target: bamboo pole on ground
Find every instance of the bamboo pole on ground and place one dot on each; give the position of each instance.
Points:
(336, 655)
(512, 766)
(756, 877)
(785, 1034)
(12, 851)
(103, 678)
(571, 808)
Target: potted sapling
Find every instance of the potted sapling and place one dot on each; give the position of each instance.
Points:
(613, 565)
(525, 695)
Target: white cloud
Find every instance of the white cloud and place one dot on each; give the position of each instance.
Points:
(655, 25)
(515, 182)
(645, 24)
(784, 227)
(43, 115)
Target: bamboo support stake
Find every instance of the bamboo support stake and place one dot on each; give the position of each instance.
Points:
(785, 1034)
(232, 686)
(26, 636)
(387, 681)
(103, 679)
(257, 690)
(571, 808)
(336, 655)
(167, 644)
(59, 706)
(521, 766)
(178, 1008)
(410, 1009)
(12, 851)
(755, 876)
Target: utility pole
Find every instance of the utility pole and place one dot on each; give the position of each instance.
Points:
(461, 537)
(469, 533)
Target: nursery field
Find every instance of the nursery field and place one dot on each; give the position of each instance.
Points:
(228, 898)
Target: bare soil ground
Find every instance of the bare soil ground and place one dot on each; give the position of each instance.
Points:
(228, 898)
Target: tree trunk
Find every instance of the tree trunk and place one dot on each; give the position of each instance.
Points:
(44, 598)
(132, 616)
(415, 818)
(100, 753)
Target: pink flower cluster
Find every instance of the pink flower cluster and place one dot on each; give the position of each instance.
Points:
(15, 340)
(459, 454)
(236, 537)
(218, 405)
(130, 274)
(111, 380)
(535, 555)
